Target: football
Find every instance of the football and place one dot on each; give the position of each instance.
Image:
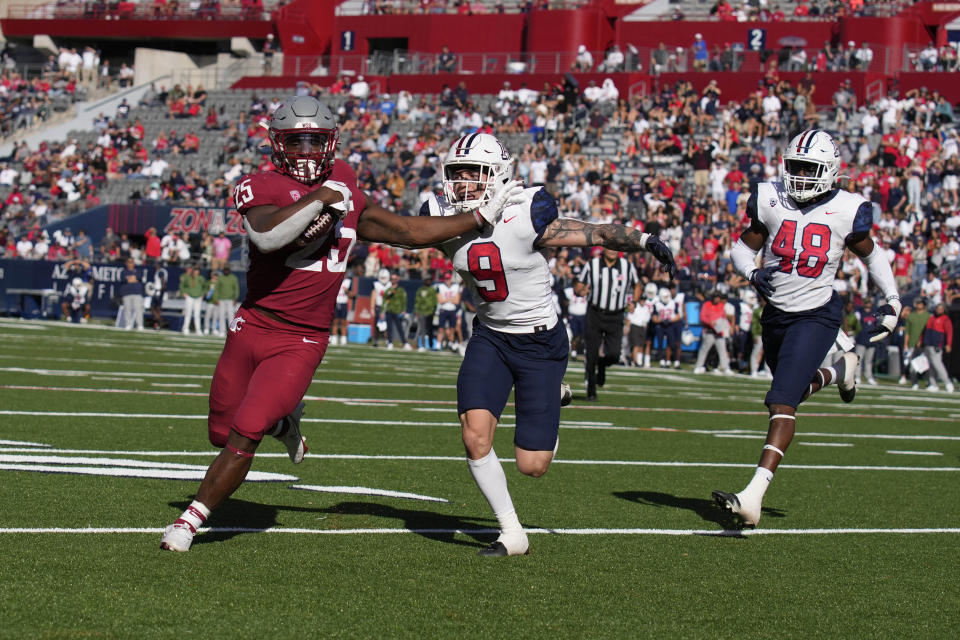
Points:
(319, 228)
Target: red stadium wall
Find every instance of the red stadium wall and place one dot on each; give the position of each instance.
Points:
(566, 30)
(428, 34)
(305, 27)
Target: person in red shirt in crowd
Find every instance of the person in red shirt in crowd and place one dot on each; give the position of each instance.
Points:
(212, 121)
(302, 221)
(890, 148)
(191, 143)
(711, 246)
(734, 178)
(937, 339)
(152, 250)
(801, 10)
(903, 265)
(136, 130)
(725, 11)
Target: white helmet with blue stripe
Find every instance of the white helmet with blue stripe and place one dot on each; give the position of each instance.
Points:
(810, 165)
(489, 163)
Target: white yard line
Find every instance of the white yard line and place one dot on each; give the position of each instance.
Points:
(460, 459)
(914, 453)
(562, 532)
(826, 444)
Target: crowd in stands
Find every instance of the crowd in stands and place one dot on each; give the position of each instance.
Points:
(164, 9)
(678, 162)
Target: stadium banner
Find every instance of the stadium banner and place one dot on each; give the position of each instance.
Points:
(34, 288)
(135, 219)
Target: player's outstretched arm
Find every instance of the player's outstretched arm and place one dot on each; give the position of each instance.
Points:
(567, 232)
(377, 224)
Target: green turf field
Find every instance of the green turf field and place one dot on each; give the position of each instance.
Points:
(103, 442)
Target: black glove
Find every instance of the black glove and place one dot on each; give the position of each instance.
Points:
(663, 254)
(761, 280)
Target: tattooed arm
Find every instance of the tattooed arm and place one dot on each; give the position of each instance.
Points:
(567, 232)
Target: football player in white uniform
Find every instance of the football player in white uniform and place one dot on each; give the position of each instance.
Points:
(518, 342)
(803, 225)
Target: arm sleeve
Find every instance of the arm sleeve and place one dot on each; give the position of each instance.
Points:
(752, 208)
(744, 258)
(543, 211)
(285, 232)
(862, 222)
(881, 273)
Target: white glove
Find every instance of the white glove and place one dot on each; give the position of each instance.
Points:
(508, 194)
(887, 317)
(342, 207)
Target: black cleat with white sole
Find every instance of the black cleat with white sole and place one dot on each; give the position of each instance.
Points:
(731, 503)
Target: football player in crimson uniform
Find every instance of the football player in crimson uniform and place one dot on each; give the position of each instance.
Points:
(803, 225)
(518, 342)
(298, 259)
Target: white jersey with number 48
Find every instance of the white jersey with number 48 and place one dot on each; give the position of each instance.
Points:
(508, 275)
(806, 243)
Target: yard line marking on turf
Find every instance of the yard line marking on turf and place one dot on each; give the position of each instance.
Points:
(21, 443)
(116, 379)
(572, 407)
(189, 385)
(367, 491)
(21, 387)
(80, 465)
(914, 453)
(563, 532)
(368, 404)
(826, 444)
(740, 435)
(567, 424)
(821, 434)
(127, 472)
(426, 458)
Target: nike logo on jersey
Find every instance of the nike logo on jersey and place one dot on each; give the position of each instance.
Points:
(308, 341)
(506, 220)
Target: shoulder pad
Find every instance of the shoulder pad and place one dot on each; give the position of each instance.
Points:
(436, 205)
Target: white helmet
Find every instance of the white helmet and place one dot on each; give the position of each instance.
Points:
(650, 291)
(810, 165)
(304, 136)
(687, 337)
(383, 276)
(749, 295)
(77, 282)
(482, 152)
(665, 296)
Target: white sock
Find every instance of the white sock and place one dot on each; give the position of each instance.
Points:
(195, 515)
(833, 376)
(758, 484)
(488, 473)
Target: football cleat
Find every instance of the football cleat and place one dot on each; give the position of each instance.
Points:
(566, 394)
(748, 517)
(512, 545)
(295, 443)
(846, 368)
(177, 537)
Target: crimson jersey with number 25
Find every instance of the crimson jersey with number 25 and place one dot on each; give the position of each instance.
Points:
(806, 244)
(299, 283)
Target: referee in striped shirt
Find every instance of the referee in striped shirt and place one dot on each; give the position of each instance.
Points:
(607, 282)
